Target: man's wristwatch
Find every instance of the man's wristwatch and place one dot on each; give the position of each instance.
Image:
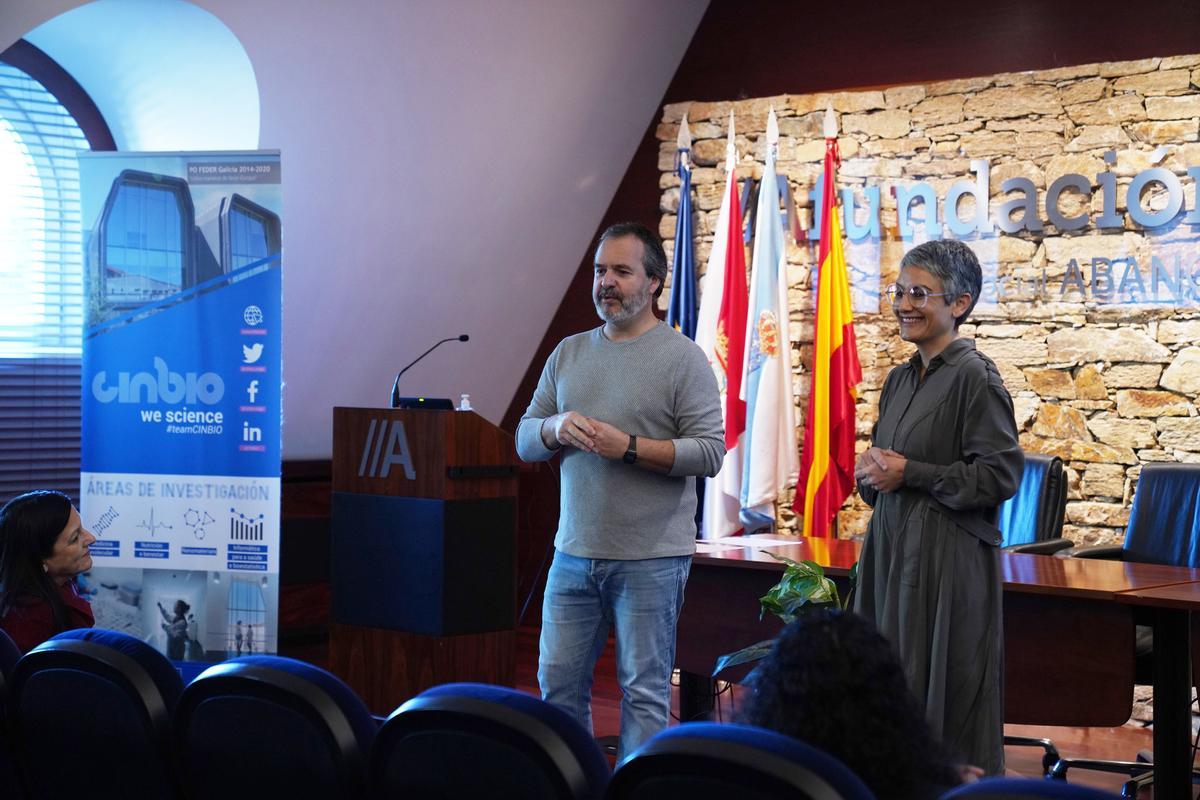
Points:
(631, 453)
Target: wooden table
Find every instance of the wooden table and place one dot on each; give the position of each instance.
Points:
(1069, 618)
(1063, 618)
(720, 609)
(1171, 608)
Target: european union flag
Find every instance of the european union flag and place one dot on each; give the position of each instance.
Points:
(681, 313)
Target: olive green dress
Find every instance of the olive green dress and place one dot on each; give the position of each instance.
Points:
(929, 574)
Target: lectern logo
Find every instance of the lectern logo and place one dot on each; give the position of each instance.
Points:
(385, 445)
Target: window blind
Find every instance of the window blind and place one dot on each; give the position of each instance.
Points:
(41, 288)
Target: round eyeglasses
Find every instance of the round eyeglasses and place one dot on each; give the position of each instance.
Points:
(918, 296)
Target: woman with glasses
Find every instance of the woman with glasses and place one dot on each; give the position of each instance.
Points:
(943, 456)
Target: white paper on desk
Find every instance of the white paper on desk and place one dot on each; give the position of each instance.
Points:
(769, 540)
(709, 546)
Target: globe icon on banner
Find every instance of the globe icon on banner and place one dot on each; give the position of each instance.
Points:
(253, 315)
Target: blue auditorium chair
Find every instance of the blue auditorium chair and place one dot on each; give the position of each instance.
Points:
(269, 726)
(10, 654)
(711, 761)
(1032, 519)
(1010, 788)
(10, 784)
(90, 711)
(475, 740)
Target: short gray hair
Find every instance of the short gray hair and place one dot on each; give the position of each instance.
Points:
(654, 258)
(954, 264)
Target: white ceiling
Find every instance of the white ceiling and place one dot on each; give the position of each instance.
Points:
(445, 167)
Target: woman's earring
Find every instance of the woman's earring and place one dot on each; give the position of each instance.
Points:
(44, 567)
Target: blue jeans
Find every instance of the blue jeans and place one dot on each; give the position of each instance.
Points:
(585, 598)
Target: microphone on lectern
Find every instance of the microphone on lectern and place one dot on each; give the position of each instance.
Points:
(396, 386)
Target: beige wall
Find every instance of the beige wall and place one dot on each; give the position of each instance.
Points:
(1106, 383)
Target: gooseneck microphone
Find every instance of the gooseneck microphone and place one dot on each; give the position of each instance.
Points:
(396, 386)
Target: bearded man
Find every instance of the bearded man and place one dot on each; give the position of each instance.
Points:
(634, 409)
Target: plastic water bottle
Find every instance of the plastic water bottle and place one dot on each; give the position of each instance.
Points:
(464, 403)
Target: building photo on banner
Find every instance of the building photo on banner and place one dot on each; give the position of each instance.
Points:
(1075, 187)
(181, 407)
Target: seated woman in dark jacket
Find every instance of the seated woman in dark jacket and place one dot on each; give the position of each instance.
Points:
(43, 546)
(832, 681)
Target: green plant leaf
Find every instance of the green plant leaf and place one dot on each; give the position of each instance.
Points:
(790, 562)
(744, 656)
(853, 584)
(803, 584)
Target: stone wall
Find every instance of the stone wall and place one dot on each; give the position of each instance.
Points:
(1107, 385)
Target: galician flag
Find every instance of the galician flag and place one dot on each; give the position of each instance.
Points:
(721, 334)
(681, 313)
(828, 468)
(770, 461)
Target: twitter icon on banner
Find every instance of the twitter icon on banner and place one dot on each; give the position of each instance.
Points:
(251, 353)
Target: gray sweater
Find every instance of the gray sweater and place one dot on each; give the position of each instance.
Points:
(659, 386)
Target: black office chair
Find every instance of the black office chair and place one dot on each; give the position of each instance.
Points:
(711, 761)
(269, 726)
(1032, 519)
(475, 740)
(10, 781)
(91, 715)
(1164, 528)
(1164, 521)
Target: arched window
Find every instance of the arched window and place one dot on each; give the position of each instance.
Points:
(41, 291)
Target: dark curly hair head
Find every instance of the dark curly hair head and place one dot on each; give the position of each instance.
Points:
(834, 682)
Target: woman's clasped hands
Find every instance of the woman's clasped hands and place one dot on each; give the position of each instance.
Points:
(881, 469)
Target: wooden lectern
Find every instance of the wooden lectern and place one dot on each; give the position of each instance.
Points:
(423, 570)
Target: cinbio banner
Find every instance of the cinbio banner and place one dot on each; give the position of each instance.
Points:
(181, 398)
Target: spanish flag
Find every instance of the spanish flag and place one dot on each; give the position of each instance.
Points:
(827, 469)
